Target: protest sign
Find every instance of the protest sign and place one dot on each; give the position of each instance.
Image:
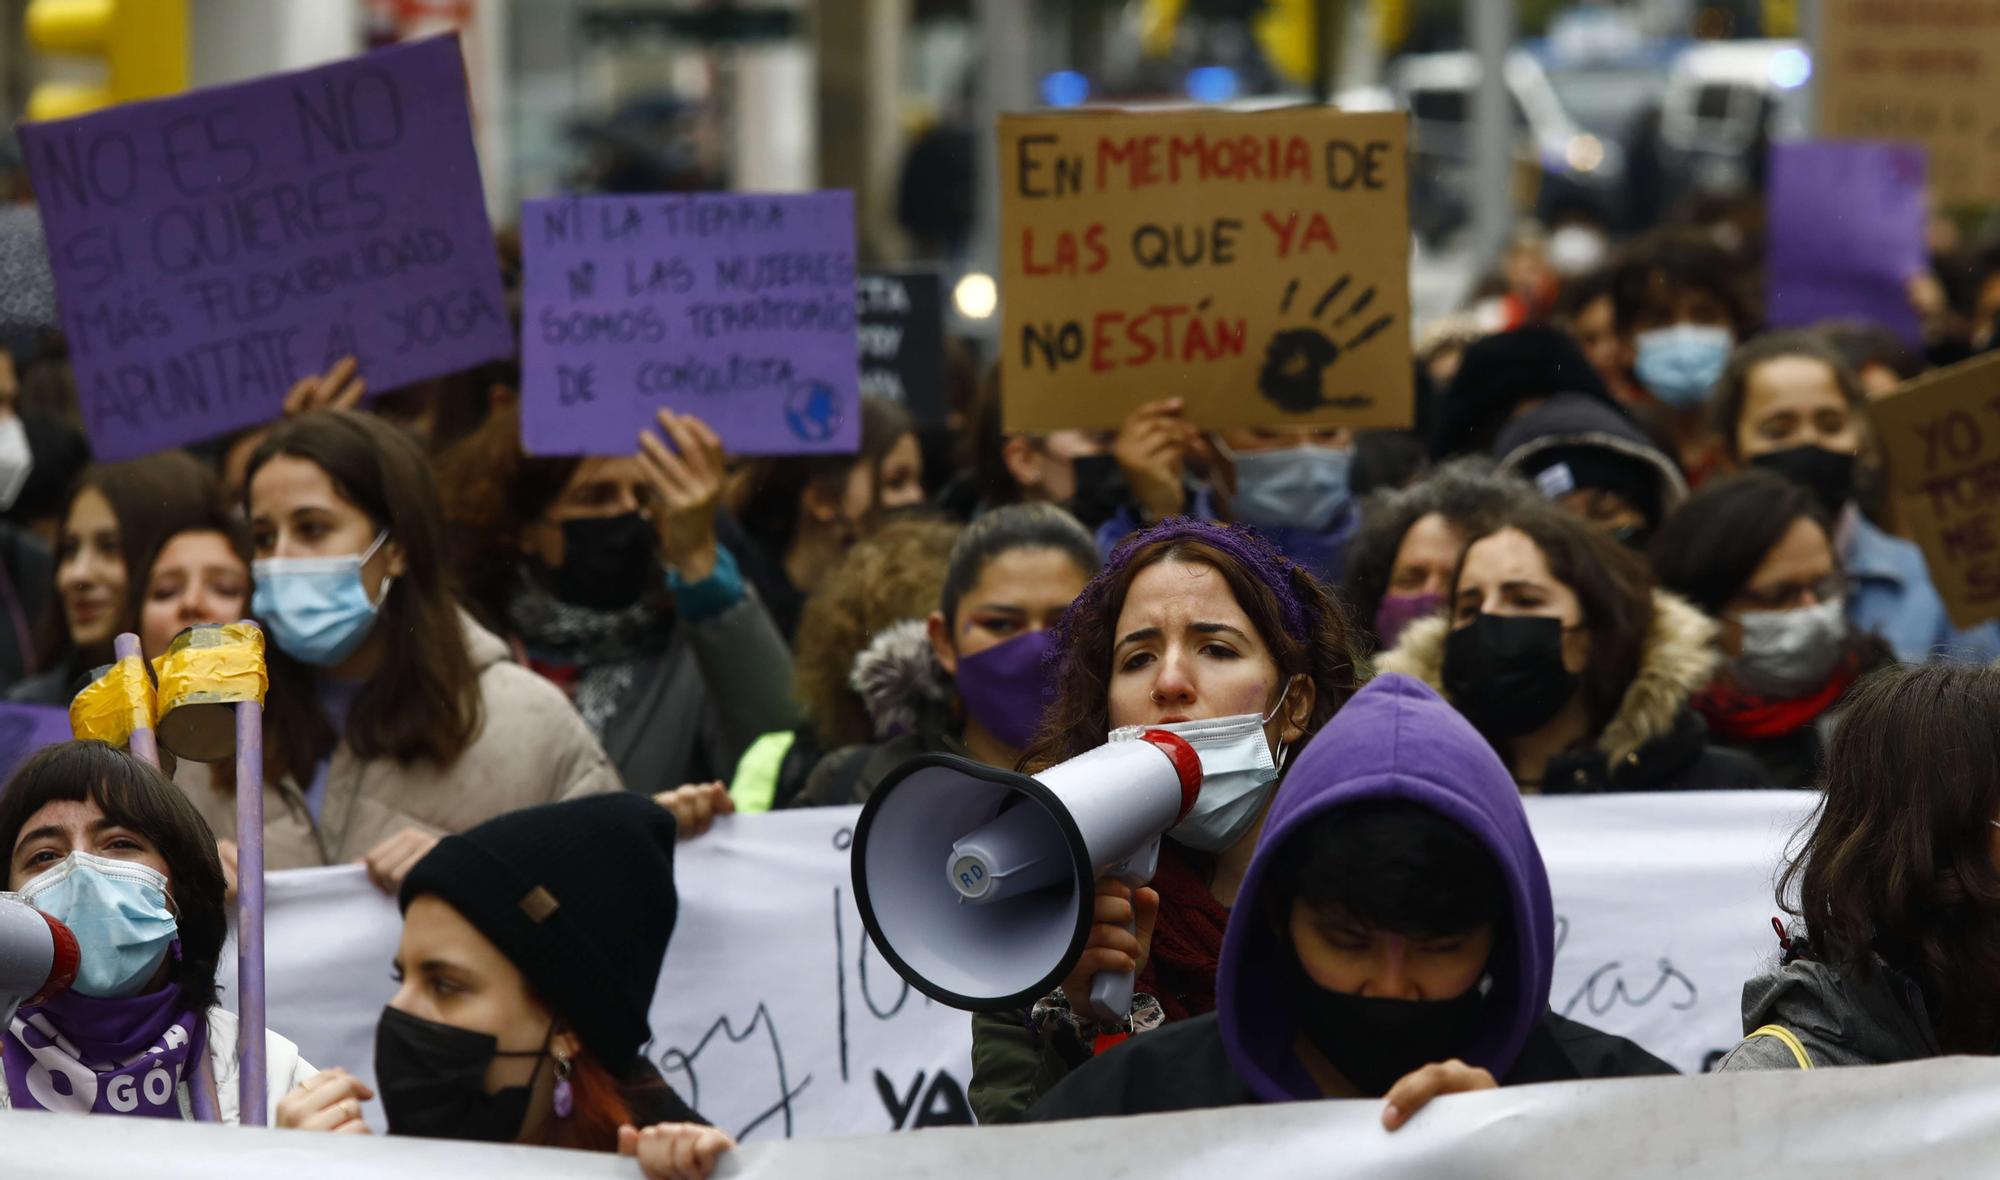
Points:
(1927, 71)
(1915, 1119)
(737, 308)
(1847, 234)
(902, 340)
(1941, 436)
(1255, 264)
(27, 728)
(777, 1018)
(212, 248)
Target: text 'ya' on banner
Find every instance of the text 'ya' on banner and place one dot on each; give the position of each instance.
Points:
(737, 308)
(212, 248)
(1254, 264)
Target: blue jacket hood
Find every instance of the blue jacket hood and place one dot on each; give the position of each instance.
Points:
(1395, 739)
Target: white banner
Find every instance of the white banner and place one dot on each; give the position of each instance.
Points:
(1929, 1118)
(776, 1018)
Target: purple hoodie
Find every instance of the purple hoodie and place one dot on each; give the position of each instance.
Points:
(1396, 739)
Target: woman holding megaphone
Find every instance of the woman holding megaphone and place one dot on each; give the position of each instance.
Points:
(105, 844)
(1208, 631)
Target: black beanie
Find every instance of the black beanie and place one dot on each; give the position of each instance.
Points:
(1499, 372)
(580, 897)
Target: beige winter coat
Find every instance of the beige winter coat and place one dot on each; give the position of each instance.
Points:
(531, 747)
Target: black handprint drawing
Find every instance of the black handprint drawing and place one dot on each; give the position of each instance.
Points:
(1296, 359)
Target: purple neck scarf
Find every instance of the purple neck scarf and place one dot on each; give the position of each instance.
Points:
(79, 1055)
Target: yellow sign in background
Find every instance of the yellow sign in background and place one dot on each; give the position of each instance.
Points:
(1254, 264)
(1922, 70)
(1941, 436)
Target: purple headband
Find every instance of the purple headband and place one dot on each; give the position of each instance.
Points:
(1261, 559)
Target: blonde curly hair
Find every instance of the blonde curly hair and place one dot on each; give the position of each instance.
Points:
(895, 573)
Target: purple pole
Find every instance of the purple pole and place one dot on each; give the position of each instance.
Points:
(144, 746)
(250, 912)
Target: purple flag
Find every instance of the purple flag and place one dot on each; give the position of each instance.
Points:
(736, 308)
(25, 729)
(1847, 233)
(212, 248)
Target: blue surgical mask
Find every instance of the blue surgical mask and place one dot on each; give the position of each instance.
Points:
(1302, 487)
(118, 912)
(1238, 774)
(1681, 363)
(316, 608)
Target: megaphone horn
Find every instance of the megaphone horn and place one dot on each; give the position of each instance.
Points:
(978, 885)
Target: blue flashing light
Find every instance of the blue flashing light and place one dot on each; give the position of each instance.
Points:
(1213, 84)
(1065, 88)
(1790, 68)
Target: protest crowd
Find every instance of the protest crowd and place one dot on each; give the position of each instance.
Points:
(527, 639)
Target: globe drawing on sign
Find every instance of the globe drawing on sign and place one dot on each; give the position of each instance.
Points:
(813, 411)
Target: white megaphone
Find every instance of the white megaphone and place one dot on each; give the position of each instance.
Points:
(38, 956)
(979, 886)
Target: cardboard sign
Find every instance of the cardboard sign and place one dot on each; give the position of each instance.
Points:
(902, 340)
(1926, 72)
(737, 308)
(1847, 233)
(213, 248)
(1941, 434)
(1256, 265)
(25, 729)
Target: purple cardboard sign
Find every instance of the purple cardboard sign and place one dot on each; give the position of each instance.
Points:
(212, 248)
(1847, 233)
(737, 308)
(25, 729)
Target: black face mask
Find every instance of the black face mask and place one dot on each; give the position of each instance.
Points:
(433, 1082)
(608, 561)
(1506, 674)
(1376, 1042)
(1100, 489)
(1828, 475)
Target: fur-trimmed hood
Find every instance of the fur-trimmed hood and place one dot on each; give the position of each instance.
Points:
(899, 679)
(1679, 660)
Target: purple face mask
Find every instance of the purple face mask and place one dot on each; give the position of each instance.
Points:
(1002, 687)
(1398, 611)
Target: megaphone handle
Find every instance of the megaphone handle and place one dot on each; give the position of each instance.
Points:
(1111, 991)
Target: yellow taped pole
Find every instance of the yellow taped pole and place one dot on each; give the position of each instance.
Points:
(143, 743)
(206, 675)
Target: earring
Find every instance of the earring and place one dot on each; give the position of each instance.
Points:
(565, 1096)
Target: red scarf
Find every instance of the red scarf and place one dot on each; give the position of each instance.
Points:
(1187, 940)
(1737, 716)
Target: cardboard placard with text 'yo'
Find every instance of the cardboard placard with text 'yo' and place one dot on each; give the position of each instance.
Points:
(212, 248)
(738, 308)
(1255, 264)
(1941, 435)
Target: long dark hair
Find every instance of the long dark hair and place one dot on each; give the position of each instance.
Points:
(135, 795)
(423, 703)
(491, 491)
(771, 489)
(152, 499)
(1080, 716)
(1613, 587)
(1899, 858)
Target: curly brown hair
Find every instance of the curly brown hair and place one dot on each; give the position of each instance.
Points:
(1326, 652)
(1898, 861)
(895, 573)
